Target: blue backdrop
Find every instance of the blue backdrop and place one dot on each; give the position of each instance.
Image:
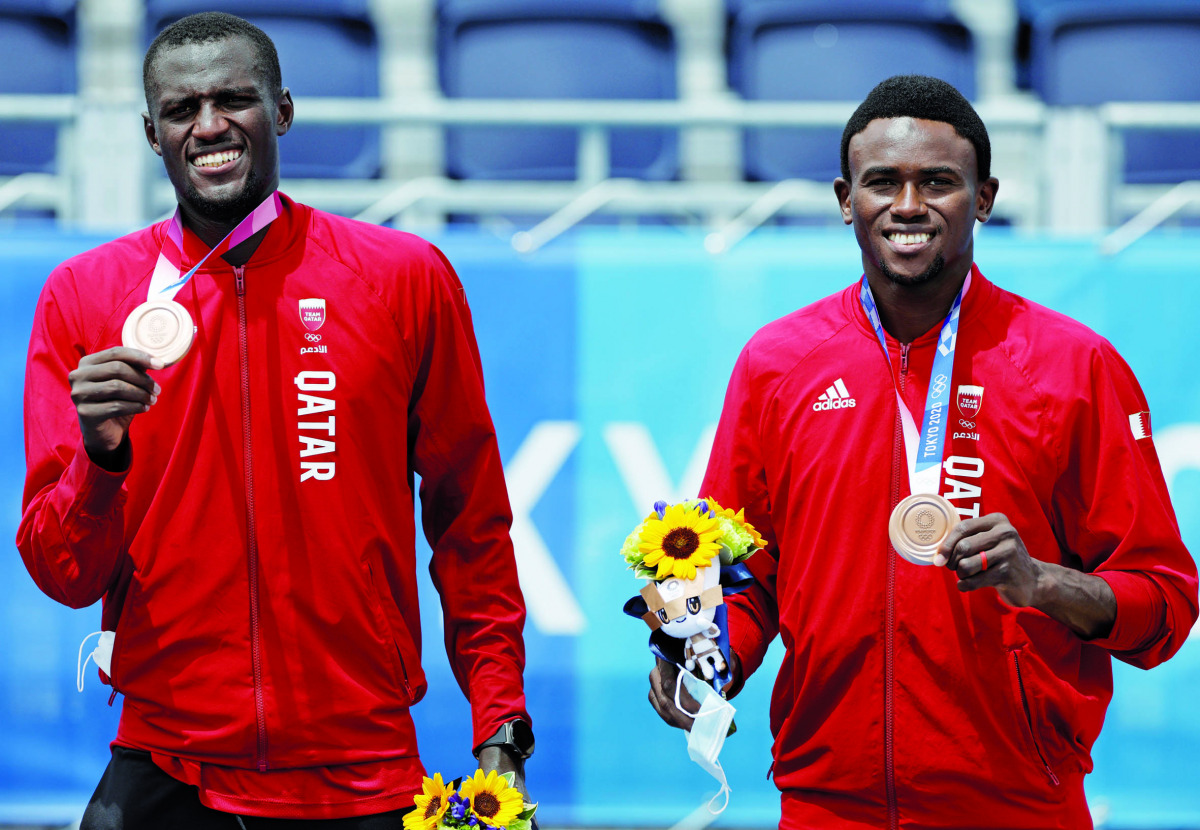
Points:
(606, 358)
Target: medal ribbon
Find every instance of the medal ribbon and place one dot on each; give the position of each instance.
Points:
(924, 448)
(166, 281)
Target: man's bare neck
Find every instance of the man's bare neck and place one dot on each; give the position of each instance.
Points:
(909, 311)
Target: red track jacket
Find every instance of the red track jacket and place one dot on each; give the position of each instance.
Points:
(256, 561)
(902, 702)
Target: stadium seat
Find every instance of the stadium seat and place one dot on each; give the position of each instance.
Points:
(1083, 54)
(37, 56)
(834, 50)
(1027, 10)
(326, 48)
(606, 49)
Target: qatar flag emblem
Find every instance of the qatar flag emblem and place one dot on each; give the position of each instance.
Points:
(1139, 422)
(970, 400)
(312, 313)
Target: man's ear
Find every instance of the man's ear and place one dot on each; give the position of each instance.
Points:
(985, 198)
(285, 112)
(151, 133)
(842, 188)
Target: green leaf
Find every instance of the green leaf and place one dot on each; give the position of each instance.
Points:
(528, 812)
(509, 778)
(519, 824)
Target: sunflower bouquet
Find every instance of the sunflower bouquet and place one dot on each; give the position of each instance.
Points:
(482, 802)
(692, 555)
(676, 539)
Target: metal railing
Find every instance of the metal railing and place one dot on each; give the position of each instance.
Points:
(41, 191)
(1059, 168)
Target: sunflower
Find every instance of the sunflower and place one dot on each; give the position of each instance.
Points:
(492, 801)
(431, 804)
(681, 541)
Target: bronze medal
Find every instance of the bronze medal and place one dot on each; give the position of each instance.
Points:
(161, 328)
(918, 526)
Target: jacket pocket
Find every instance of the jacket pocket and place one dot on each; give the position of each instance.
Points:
(380, 593)
(121, 633)
(1027, 725)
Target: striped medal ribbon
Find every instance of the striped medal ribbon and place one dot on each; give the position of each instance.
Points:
(920, 522)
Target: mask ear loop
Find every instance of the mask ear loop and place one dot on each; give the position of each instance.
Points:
(678, 686)
(724, 791)
(81, 662)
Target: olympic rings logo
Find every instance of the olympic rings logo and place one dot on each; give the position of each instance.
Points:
(312, 338)
(939, 384)
(966, 424)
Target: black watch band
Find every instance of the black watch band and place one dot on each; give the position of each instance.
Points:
(516, 736)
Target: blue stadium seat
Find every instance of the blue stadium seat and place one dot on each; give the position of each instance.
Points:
(1027, 10)
(326, 48)
(37, 56)
(608, 49)
(834, 50)
(1085, 54)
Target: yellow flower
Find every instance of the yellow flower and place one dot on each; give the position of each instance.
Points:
(492, 800)
(759, 541)
(680, 542)
(431, 804)
(740, 518)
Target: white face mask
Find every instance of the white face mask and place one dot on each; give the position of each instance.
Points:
(708, 731)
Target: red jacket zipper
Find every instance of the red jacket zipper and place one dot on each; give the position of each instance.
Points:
(899, 464)
(251, 531)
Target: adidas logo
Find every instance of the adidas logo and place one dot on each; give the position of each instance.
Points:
(835, 397)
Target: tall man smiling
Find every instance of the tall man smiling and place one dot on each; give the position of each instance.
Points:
(966, 692)
(246, 512)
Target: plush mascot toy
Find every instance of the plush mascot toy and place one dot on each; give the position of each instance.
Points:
(692, 556)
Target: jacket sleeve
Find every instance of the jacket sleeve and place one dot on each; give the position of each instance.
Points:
(73, 523)
(1111, 509)
(736, 478)
(465, 512)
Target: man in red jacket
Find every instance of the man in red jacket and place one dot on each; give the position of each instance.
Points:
(968, 692)
(243, 505)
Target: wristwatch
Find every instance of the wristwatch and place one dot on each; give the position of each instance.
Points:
(516, 736)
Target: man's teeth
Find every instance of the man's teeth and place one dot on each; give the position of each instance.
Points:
(911, 238)
(217, 159)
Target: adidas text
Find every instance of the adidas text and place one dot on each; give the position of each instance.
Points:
(837, 396)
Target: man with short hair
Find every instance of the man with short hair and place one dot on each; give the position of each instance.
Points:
(967, 693)
(245, 512)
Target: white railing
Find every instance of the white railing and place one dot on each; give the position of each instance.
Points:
(711, 202)
(1059, 168)
(41, 191)
(59, 109)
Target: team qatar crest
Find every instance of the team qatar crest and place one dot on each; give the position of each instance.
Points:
(312, 313)
(970, 399)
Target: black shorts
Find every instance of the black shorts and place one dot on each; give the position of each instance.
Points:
(134, 794)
